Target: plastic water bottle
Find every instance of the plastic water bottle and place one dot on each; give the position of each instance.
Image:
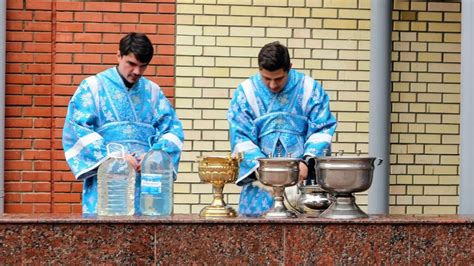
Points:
(116, 184)
(156, 195)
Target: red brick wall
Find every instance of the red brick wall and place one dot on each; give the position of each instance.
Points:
(51, 47)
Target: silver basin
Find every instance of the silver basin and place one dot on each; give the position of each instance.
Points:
(343, 176)
(279, 171)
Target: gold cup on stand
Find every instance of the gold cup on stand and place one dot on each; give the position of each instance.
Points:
(218, 170)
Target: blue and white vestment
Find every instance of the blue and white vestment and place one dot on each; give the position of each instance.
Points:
(293, 123)
(104, 110)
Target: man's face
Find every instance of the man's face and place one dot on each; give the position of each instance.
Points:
(130, 68)
(274, 80)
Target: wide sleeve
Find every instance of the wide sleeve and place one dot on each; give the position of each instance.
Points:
(243, 136)
(169, 135)
(321, 123)
(84, 149)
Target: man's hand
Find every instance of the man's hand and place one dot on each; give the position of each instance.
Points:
(303, 172)
(136, 164)
(259, 184)
(140, 161)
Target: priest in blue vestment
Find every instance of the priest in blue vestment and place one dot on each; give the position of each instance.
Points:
(277, 112)
(119, 105)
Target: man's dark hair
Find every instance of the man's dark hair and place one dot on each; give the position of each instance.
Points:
(137, 44)
(274, 56)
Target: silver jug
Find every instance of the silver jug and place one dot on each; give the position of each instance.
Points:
(313, 200)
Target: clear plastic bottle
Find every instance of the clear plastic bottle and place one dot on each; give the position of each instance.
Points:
(156, 195)
(115, 184)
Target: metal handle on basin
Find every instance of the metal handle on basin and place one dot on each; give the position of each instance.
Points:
(380, 160)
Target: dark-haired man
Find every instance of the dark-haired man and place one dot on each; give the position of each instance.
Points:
(277, 112)
(119, 105)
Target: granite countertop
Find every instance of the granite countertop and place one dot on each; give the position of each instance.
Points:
(188, 239)
(195, 219)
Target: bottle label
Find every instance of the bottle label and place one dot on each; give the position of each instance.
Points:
(151, 184)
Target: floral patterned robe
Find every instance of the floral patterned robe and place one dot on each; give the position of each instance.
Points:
(104, 110)
(293, 123)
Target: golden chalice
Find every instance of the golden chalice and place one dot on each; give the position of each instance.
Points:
(218, 170)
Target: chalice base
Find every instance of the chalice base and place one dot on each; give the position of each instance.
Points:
(274, 214)
(344, 207)
(279, 211)
(218, 212)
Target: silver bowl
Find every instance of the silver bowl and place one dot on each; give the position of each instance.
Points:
(279, 173)
(343, 176)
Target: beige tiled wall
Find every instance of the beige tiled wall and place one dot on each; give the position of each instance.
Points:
(425, 108)
(217, 44)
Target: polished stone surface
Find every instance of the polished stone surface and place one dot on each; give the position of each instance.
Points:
(194, 218)
(186, 239)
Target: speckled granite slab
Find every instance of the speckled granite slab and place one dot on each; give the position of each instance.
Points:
(187, 239)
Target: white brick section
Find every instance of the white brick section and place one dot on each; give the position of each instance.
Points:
(217, 43)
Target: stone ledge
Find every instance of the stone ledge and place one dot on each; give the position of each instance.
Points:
(195, 219)
(187, 239)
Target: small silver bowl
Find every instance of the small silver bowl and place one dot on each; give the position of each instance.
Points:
(279, 173)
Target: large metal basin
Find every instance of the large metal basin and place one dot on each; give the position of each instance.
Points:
(345, 174)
